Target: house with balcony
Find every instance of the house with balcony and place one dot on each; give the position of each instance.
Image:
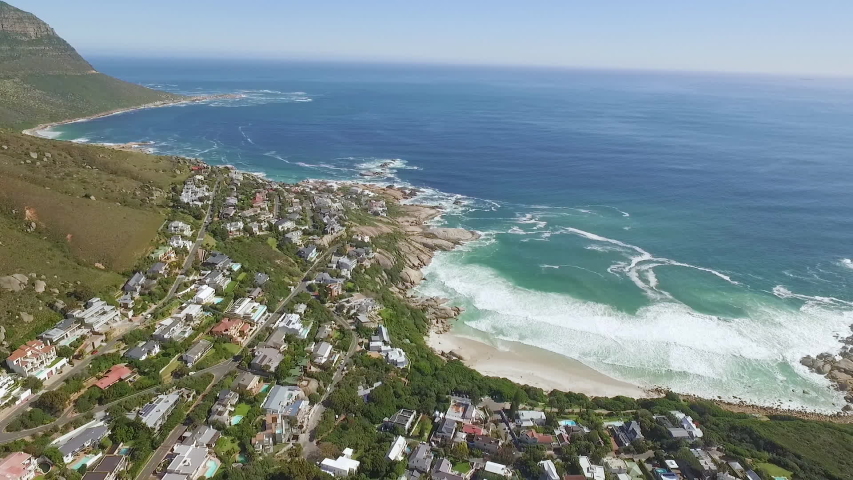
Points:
(234, 330)
(64, 332)
(18, 466)
(36, 359)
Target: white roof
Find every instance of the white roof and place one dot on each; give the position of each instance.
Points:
(671, 464)
(550, 469)
(497, 468)
(530, 414)
(398, 449)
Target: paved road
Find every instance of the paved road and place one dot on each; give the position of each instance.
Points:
(161, 452)
(305, 438)
(218, 371)
(202, 231)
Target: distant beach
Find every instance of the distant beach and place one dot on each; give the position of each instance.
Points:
(38, 131)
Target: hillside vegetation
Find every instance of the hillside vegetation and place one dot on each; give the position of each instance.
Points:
(43, 79)
(75, 216)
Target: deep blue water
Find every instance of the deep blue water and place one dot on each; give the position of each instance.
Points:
(687, 230)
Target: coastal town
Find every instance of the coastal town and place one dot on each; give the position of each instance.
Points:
(275, 321)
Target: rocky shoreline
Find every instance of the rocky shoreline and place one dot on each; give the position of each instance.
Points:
(837, 368)
(417, 248)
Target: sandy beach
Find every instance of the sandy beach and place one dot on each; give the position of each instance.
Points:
(37, 131)
(532, 366)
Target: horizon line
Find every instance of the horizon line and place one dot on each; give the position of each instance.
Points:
(447, 63)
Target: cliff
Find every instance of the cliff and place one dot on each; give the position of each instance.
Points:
(30, 46)
(43, 78)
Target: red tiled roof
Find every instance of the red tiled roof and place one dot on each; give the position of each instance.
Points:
(226, 325)
(116, 373)
(472, 429)
(31, 349)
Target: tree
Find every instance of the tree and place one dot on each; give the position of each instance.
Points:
(65, 351)
(54, 455)
(53, 402)
(32, 383)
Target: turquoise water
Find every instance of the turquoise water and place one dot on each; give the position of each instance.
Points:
(236, 419)
(212, 467)
(570, 423)
(83, 461)
(264, 388)
(124, 451)
(683, 230)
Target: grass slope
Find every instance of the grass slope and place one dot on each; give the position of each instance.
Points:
(35, 99)
(51, 227)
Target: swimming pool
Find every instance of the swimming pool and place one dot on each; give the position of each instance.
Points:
(212, 467)
(236, 419)
(124, 451)
(265, 388)
(87, 460)
(568, 423)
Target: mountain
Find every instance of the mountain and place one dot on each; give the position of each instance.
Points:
(43, 78)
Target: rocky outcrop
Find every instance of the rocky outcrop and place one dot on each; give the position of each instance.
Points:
(29, 46)
(838, 369)
(457, 236)
(14, 283)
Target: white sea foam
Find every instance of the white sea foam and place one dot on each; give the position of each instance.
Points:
(242, 132)
(846, 263)
(640, 265)
(530, 218)
(666, 343)
(782, 292)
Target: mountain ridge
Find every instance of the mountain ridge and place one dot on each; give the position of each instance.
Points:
(43, 79)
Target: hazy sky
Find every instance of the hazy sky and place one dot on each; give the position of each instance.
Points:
(725, 35)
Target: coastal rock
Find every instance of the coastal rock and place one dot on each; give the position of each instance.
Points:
(808, 361)
(845, 365)
(411, 276)
(39, 286)
(26, 317)
(825, 368)
(34, 155)
(434, 243)
(385, 260)
(454, 235)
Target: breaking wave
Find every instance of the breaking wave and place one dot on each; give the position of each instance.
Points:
(666, 343)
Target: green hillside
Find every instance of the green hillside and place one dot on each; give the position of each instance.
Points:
(43, 79)
(76, 217)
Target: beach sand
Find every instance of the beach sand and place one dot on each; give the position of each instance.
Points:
(532, 366)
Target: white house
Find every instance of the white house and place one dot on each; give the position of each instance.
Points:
(343, 466)
(528, 418)
(180, 228)
(497, 469)
(595, 472)
(398, 449)
(550, 470)
(322, 353)
(204, 295)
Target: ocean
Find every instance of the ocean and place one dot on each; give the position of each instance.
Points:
(690, 231)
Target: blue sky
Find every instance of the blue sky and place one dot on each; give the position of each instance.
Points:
(725, 35)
